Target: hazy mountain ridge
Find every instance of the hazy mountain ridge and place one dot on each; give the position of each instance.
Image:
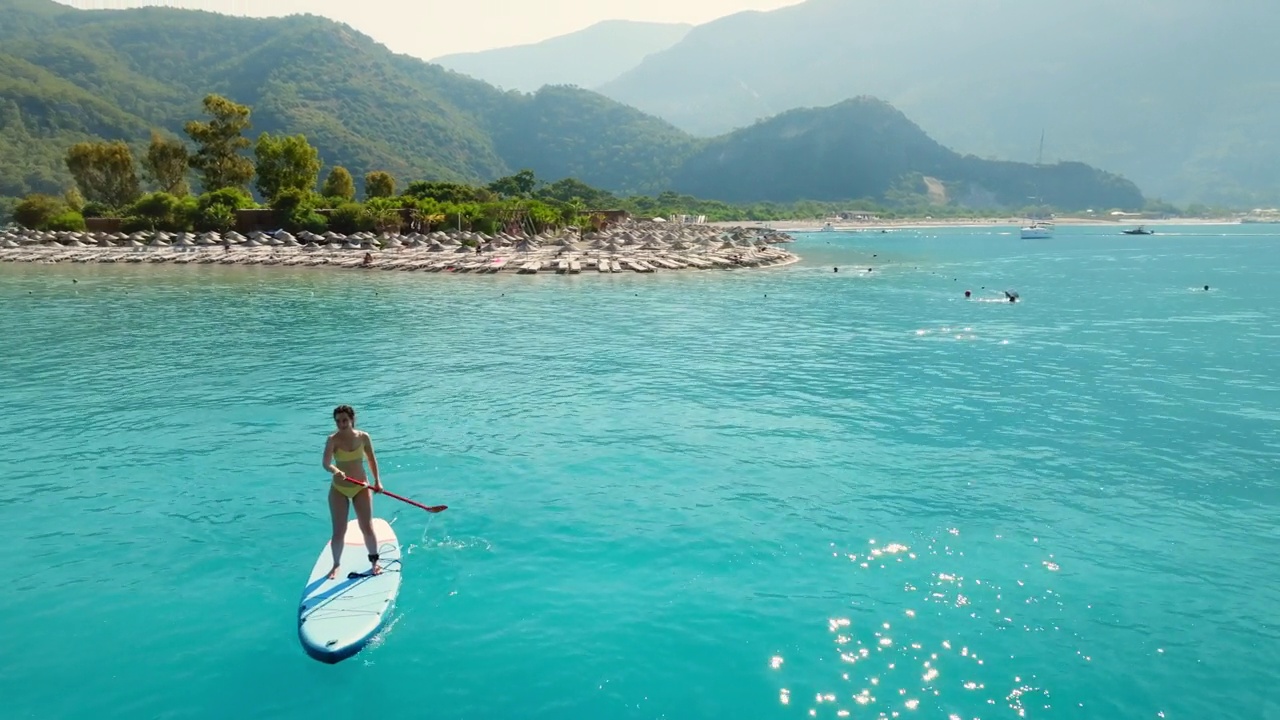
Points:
(1177, 96)
(835, 145)
(585, 58)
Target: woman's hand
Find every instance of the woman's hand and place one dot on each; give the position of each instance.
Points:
(377, 485)
(339, 476)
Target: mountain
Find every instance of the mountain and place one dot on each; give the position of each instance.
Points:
(1179, 95)
(864, 148)
(70, 75)
(586, 58)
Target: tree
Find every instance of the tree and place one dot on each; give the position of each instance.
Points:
(7, 204)
(349, 218)
(447, 192)
(379, 184)
(287, 162)
(339, 184)
(385, 214)
(156, 211)
(104, 172)
(217, 210)
(74, 200)
(166, 165)
(522, 184)
(295, 210)
(69, 220)
(219, 142)
(567, 189)
(35, 211)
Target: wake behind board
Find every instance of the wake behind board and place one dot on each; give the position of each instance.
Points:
(338, 617)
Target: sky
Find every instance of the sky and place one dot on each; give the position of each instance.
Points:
(431, 28)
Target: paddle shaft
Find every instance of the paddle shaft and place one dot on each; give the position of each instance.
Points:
(432, 509)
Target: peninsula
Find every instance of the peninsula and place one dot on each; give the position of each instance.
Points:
(642, 247)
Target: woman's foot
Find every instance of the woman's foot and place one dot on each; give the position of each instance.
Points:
(333, 573)
(376, 570)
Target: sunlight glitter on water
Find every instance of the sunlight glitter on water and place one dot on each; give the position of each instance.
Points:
(968, 610)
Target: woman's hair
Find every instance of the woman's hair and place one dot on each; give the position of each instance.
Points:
(345, 410)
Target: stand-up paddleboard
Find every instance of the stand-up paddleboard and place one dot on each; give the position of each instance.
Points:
(338, 617)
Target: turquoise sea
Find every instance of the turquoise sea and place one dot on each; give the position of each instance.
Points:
(788, 493)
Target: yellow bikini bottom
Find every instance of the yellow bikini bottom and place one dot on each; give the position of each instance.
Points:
(348, 489)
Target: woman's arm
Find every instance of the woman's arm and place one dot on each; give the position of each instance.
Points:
(373, 463)
(327, 461)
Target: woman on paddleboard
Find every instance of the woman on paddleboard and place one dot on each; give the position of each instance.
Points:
(344, 454)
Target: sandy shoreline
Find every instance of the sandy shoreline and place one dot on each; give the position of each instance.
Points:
(640, 248)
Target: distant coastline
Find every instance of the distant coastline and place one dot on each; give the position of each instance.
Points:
(816, 225)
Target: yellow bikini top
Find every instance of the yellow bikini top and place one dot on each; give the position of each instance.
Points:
(348, 455)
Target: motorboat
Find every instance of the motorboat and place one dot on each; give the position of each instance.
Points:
(1140, 230)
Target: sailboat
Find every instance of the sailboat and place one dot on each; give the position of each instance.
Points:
(1039, 228)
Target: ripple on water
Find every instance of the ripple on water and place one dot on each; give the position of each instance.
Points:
(644, 474)
(921, 638)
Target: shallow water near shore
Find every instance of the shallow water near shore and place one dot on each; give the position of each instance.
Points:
(780, 493)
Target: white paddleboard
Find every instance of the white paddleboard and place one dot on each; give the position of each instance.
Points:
(338, 617)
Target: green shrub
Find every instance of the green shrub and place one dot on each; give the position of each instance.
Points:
(35, 211)
(233, 198)
(350, 218)
(215, 218)
(97, 210)
(69, 220)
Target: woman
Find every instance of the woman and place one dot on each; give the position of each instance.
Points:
(344, 454)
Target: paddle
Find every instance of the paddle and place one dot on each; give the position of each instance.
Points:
(432, 509)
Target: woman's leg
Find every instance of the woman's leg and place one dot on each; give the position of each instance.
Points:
(338, 512)
(364, 515)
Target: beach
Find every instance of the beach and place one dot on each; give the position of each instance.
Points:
(632, 247)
